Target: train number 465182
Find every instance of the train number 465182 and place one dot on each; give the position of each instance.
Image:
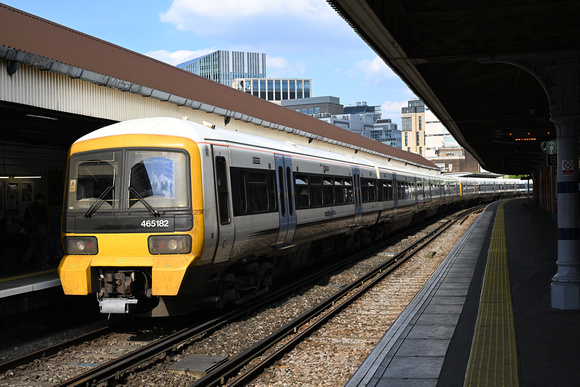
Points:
(155, 223)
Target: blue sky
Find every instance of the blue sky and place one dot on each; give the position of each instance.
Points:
(301, 39)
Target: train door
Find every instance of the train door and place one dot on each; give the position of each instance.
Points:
(226, 227)
(286, 204)
(395, 191)
(356, 183)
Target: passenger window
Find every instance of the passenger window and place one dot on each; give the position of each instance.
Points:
(315, 187)
(328, 191)
(239, 189)
(348, 191)
(303, 198)
(387, 190)
(339, 195)
(222, 190)
(258, 187)
(368, 190)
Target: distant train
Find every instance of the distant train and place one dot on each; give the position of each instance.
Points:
(163, 216)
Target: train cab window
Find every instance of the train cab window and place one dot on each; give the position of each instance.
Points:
(93, 180)
(301, 191)
(221, 177)
(339, 193)
(157, 177)
(328, 191)
(315, 186)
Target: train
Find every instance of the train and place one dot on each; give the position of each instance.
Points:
(164, 216)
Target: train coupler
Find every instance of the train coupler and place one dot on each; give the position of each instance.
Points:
(121, 290)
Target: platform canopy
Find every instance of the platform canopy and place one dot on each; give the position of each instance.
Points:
(454, 55)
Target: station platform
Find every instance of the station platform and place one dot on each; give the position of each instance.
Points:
(485, 316)
(16, 280)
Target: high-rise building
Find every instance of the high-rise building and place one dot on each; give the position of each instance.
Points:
(424, 134)
(413, 127)
(225, 66)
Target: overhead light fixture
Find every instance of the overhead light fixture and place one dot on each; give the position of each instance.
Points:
(20, 177)
(42, 117)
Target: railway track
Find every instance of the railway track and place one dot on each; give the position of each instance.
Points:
(312, 320)
(159, 351)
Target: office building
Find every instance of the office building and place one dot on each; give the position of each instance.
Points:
(225, 66)
(413, 127)
(424, 134)
(362, 119)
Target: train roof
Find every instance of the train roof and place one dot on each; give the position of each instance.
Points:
(205, 134)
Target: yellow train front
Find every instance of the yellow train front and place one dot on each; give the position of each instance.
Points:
(133, 218)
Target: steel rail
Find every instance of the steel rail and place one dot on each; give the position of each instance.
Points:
(116, 368)
(333, 305)
(54, 349)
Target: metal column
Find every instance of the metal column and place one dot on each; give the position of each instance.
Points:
(566, 282)
(558, 75)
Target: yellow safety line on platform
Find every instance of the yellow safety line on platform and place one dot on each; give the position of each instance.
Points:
(27, 275)
(493, 359)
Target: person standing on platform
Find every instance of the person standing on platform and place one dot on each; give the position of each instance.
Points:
(36, 218)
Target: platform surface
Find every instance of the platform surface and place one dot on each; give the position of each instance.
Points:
(464, 328)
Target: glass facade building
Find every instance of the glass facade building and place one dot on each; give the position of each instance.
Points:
(225, 66)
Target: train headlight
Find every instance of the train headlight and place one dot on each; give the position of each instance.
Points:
(169, 244)
(81, 245)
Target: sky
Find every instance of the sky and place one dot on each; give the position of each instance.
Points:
(301, 39)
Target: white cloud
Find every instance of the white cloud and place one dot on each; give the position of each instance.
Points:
(279, 67)
(392, 109)
(261, 22)
(375, 71)
(179, 56)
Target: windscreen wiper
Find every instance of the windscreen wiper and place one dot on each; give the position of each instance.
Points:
(152, 210)
(97, 204)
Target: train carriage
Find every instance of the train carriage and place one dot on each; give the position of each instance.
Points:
(163, 216)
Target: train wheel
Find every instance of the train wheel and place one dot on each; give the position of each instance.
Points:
(227, 291)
